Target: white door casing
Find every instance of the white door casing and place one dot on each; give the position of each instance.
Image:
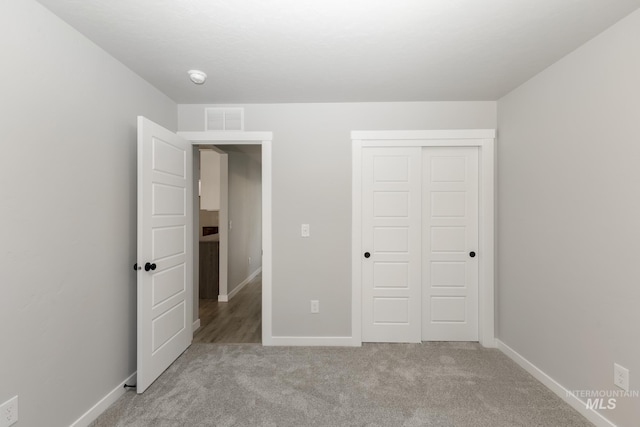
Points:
(391, 240)
(450, 244)
(223, 224)
(264, 139)
(165, 244)
(484, 141)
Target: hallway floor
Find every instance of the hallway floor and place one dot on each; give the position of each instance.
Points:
(237, 321)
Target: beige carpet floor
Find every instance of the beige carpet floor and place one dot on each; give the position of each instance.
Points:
(430, 384)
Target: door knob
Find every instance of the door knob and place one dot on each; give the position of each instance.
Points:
(135, 267)
(367, 254)
(148, 266)
(472, 254)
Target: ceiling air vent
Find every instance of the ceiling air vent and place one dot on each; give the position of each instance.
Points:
(224, 118)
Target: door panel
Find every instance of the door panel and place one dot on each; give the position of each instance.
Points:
(391, 208)
(168, 200)
(168, 283)
(449, 234)
(448, 309)
(447, 239)
(390, 275)
(391, 310)
(167, 325)
(164, 242)
(448, 274)
(391, 239)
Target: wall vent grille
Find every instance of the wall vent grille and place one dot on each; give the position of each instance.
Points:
(224, 119)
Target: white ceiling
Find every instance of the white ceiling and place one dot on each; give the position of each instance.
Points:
(339, 50)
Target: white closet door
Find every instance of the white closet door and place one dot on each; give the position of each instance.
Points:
(450, 244)
(391, 278)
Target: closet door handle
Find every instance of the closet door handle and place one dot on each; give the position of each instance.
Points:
(367, 254)
(472, 254)
(148, 266)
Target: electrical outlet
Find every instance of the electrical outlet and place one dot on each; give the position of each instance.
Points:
(304, 230)
(249, 261)
(315, 306)
(621, 377)
(9, 412)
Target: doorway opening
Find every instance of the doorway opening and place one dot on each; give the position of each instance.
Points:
(221, 139)
(228, 281)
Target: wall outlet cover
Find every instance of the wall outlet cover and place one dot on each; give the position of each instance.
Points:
(9, 412)
(621, 377)
(315, 306)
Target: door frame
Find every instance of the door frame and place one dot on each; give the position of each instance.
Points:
(264, 139)
(484, 139)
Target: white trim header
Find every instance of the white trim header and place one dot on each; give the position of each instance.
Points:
(236, 136)
(424, 134)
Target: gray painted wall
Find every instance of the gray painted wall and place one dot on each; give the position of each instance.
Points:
(569, 210)
(68, 217)
(312, 184)
(245, 212)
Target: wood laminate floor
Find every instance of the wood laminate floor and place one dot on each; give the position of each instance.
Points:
(236, 321)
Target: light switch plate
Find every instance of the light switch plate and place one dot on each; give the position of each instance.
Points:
(305, 230)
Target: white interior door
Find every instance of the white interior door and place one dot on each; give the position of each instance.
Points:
(391, 242)
(450, 244)
(165, 272)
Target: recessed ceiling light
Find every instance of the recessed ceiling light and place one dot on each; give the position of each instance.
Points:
(197, 76)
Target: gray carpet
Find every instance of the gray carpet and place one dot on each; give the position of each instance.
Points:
(434, 384)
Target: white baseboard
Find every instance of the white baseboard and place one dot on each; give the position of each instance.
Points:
(490, 343)
(196, 325)
(223, 298)
(314, 341)
(242, 284)
(97, 409)
(592, 415)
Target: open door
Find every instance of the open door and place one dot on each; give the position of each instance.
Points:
(165, 273)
